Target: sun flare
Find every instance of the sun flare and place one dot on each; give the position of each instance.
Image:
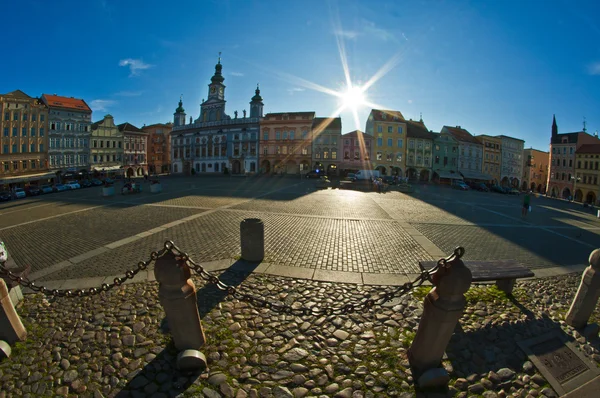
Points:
(353, 97)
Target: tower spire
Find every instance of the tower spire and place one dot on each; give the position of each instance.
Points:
(219, 57)
(584, 125)
(554, 126)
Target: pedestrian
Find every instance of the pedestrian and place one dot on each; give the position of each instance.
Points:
(526, 201)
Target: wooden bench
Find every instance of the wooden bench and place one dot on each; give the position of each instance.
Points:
(504, 272)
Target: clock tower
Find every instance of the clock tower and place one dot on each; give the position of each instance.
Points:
(213, 109)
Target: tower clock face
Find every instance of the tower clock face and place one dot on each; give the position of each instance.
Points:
(221, 91)
(213, 90)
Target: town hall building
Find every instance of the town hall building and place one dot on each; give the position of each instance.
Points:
(216, 142)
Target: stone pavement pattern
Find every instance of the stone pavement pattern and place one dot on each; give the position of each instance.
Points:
(117, 345)
(334, 230)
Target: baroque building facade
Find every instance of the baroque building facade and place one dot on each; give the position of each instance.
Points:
(470, 154)
(535, 170)
(216, 142)
(159, 147)
(326, 136)
(286, 142)
(23, 140)
(389, 131)
(69, 130)
(492, 157)
(419, 151)
(135, 144)
(561, 178)
(106, 149)
(357, 152)
(445, 158)
(587, 174)
(512, 161)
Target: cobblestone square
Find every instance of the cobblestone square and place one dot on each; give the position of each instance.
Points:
(79, 233)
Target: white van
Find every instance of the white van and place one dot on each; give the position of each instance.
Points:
(366, 174)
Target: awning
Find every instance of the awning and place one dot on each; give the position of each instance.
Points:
(24, 178)
(474, 175)
(108, 168)
(447, 174)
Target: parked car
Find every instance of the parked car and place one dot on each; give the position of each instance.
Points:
(109, 181)
(85, 183)
(47, 189)
(60, 188)
(457, 184)
(96, 182)
(498, 188)
(388, 180)
(479, 186)
(514, 191)
(5, 196)
(351, 177)
(73, 184)
(33, 190)
(20, 193)
(315, 174)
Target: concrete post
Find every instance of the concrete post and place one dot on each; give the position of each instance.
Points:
(587, 295)
(11, 327)
(177, 295)
(252, 237)
(443, 307)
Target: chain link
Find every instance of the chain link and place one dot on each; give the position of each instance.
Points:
(365, 304)
(105, 287)
(362, 305)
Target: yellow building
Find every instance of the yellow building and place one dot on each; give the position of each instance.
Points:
(587, 174)
(419, 149)
(492, 156)
(23, 140)
(388, 129)
(535, 170)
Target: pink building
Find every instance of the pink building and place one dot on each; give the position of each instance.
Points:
(357, 152)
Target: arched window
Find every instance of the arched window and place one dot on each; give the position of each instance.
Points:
(216, 166)
(219, 115)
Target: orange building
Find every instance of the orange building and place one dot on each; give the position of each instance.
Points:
(159, 148)
(285, 142)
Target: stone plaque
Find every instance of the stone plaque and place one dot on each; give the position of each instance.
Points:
(559, 361)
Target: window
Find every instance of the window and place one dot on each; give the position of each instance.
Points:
(14, 148)
(33, 164)
(6, 131)
(33, 131)
(285, 135)
(265, 151)
(41, 131)
(24, 132)
(24, 116)
(389, 157)
(399, 129)
(379, 129)
(6, 115)
(15, 165)
(399, 157)
(304, 134)
(400, 143)
(379, 141)
(564, 152)
(14, 133)
(437, 161)
(346, 155)
(277, 135)
(24, 164)
(5, 149)
(390, 142)
(305, 150)
(378, 155)
(564, 162)
(571, 150)
(32, 148)
(33, 117)
(42, 118)
(291, 136)
(325, 154)
(16, 116)
(390, 129)
(411, 145)
(333, 155)
(278, 150)
(346, 142)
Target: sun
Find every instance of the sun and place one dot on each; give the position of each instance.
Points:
(353, 97)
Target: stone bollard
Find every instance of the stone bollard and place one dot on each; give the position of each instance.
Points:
(252, 238)
(11, 327)
(587, 295)
(177, 295)
(443, 307)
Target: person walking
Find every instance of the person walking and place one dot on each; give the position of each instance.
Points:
(526, 201)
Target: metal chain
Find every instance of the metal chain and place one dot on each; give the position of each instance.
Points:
(362, 305)
(105, 287)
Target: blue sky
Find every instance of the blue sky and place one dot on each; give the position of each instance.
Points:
(493, 67)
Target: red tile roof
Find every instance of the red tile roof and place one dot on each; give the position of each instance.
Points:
(382, 115)
(462, 135)
(57, 101)
(589, 148)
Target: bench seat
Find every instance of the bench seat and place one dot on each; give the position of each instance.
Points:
(504, 272)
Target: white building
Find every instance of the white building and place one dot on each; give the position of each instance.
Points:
(69, 121)
(511, 168)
